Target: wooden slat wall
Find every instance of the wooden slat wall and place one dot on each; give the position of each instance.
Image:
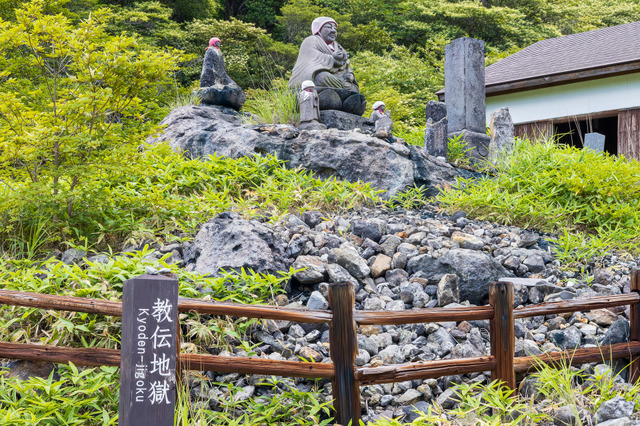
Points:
(629, 133)
(535, 130)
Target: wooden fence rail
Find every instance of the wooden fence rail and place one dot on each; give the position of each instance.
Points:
(343, 321)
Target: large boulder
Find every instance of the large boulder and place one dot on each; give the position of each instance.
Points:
(475, 271)
(202, 130)
(231, 243)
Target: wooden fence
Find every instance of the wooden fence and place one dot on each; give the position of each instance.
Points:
(343, 320)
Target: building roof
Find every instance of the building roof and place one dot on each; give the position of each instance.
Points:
(576, 52)
(576, 57)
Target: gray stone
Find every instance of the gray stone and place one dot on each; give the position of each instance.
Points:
(477, 142)
(502, 135)
(23, 369)
(594, 141)
(535, 263)
(435, 111)
(367, 344)
(476, 271)
(338, 274)
(448, 290)
(414, 411)
(617, 333)
(447, 399)
(313, 218)
(244, 394)
(467, 241)
(622, 421)
(465, 85)
(366, 229)
(530, 388)
(395, 305)
(614, 409)
(335, 119)
(381, 264)
(391, 354)
(568, 338)
(374, 304)
(443, 339)
(436, 138)
(566, 416)
(350, 260)
(317, 301)
(72, 256)
(313, 269)
(200, 131)
(229, 242)
(229, 96)
(390, 245)
(411, 396)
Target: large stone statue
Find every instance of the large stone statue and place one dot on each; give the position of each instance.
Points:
(309, 107)
(322, 60)
(216, 87)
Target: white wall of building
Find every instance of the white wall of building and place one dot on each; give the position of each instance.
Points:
(585, 97)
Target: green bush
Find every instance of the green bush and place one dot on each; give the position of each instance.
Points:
(592, 198)
(276, 105)
(79, 397)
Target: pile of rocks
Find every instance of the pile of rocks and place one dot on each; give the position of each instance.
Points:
(404, 260)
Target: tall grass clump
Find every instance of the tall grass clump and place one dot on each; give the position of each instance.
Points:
(591, 199)
(163, 193)
(275, 105)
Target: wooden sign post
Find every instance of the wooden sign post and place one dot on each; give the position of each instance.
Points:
(148, 355)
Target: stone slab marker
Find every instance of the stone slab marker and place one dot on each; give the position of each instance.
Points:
(435, 133)
(464, 93)
(502, 134)
(594, 141)
(148, 355)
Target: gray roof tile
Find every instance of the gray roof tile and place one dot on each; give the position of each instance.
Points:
(575, 52)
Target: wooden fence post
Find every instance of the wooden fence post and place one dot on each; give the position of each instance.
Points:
(149, 351)
(502, 332)
(634, 327)
(344, 348)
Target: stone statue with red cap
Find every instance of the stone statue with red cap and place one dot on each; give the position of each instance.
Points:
(216, 87)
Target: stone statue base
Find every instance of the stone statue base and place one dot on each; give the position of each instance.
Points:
(312, 125)
(479, 142)
(228, 95)
(341, 100)
(341, 120)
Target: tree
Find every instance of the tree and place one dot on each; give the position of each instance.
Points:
(75, 102)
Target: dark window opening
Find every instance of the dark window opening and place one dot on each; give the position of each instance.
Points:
(572, 132)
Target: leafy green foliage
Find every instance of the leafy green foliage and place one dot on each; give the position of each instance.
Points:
(164, 193)
(411, 198)
(84, 398)
(404, 80)
(560, 188)
(275, 105)
(457, 150)
(74, 103)
(286, 405)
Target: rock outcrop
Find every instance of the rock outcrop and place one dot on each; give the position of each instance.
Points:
(203, 130)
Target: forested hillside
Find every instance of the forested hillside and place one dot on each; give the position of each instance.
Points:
(396, 45)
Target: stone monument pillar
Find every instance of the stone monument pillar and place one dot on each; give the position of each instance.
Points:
(502, 134)
(594, 141)
(436, 138)
(464, 93)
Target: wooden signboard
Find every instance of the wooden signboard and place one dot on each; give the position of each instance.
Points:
(148, 355)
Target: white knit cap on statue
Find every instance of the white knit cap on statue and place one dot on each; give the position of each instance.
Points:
(307, 83)
(319, 22)
(378, 104)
